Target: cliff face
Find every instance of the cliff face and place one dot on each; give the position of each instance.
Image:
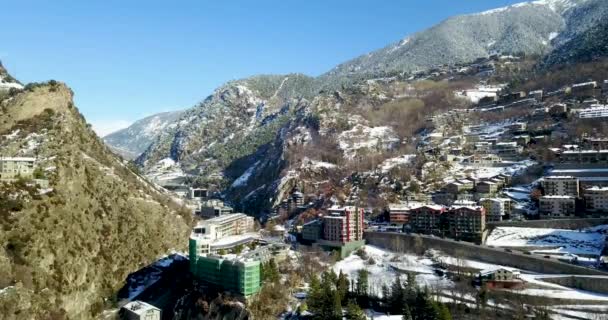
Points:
(66, 248)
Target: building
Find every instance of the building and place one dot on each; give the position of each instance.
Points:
(312, 231)
(595, 111)
(497, 209)
(343, 225)
(561, 186)
(488, 187)
(596, 143)
(459, 186)
(224, 226)
(399, 214)
(596, 199)
(139, 310)
(235, 274)
(213, 208)
(198, 194)
(557, 206)
(426, 218)
(501, 278)
(466, 221)
(585, 89)
(584, 156)
(15, 167)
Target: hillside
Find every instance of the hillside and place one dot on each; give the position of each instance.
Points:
(65, 249)
(134, 140)
(7, 81)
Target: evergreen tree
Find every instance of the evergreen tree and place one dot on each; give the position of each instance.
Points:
(354, 312)
(443, 312)
(336, 312)
(362, 283)
(424, 308)
(315, 296)
(342, 287)
(407, 315)
(396, 296)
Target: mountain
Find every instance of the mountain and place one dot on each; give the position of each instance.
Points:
(66, 248)
(7, 81)
(527, 27)
(134, 140)
(586, 38)
(256, 139)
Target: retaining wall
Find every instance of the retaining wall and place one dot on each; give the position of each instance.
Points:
(571, 224)
(401, 242)
(588, 283)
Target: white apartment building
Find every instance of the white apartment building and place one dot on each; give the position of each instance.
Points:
(224, 226)
(596, 199)
(557, 206)
(561, 186)
(596, 111)
(496, 208)
(13, 167)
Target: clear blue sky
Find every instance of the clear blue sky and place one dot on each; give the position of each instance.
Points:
(128, 59)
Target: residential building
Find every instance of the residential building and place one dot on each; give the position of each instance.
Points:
(595, 111)
(399, 214)
(224, 226)
(488, 187)
(198, 194)
(507, 150)
(213, 208)
(466, 221)
(497, 209)
(596, 199)
(426, 218)
(583, 89)
(459, 186)
(557, 206)
(236, 274)
(139, 310)
(596, 143)
(501, 278)
(584, 156)
(536, 94)
(312, 231)
(561, 186)
(343, 224)
(15, 167)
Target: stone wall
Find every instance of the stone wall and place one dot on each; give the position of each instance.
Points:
(571, 224)
(588, 283)
(402, 242)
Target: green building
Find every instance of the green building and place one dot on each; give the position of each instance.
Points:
(237, 274)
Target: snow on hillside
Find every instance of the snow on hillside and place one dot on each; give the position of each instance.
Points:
(364, 137)
(6, 85)
(240, 181)
(385, 268)
(556, 241)
(480, 92)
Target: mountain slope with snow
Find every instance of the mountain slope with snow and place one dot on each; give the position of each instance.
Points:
(526, 27)
(134, 140)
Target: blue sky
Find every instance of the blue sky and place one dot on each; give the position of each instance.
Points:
(129, 59)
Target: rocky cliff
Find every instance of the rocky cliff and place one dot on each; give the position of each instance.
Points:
(67, 247)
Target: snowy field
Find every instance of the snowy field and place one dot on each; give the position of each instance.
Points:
(551, 241)
(388, 266)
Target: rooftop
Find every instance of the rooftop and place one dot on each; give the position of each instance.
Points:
(139, 307)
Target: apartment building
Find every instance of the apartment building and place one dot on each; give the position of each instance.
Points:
(496, 209)
(561, 186)
(343, 224)
(596, 199)
(426, 219)
(596, 111)
(557, 206)
(213, 208)
(488, 187)
(139, 310)
(466, 221)
(14, 167)
(224, 226)
(399, 214)
(584, 156)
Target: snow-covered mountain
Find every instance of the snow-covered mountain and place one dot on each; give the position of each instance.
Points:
(528, 27)
(7, 81)
(135, 139)
(247, 137)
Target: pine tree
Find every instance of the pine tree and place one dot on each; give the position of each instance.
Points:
(315, 295)
(363, 283)
(354, 312)
(342, 286)
(444, 313)
(396, 296)
(407, 315)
